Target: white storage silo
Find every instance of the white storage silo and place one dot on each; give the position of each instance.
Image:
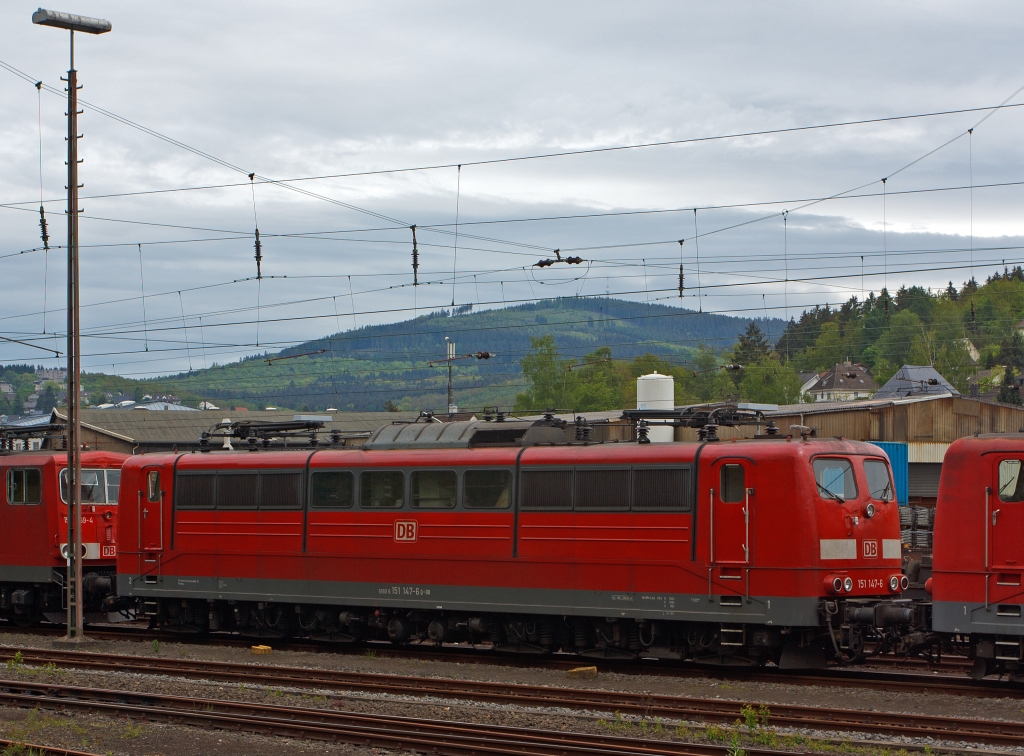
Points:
(657, 392)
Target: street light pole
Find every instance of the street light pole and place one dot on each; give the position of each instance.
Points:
(75, 619)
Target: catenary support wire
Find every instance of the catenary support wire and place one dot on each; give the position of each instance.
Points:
(455, 257)
(696, 244)
(188, 349)
(142, 280)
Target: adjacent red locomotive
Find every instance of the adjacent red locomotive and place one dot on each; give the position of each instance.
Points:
(33, 533)
(978, 558)
(774, 549)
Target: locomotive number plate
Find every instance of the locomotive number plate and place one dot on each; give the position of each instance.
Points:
(875, 584)
(406, 531)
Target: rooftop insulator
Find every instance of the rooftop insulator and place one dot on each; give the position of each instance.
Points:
(641, 433)
(772, 429)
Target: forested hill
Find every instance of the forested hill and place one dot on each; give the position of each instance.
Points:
(365, 368)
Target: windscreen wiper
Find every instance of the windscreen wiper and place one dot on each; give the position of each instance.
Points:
(830, 494)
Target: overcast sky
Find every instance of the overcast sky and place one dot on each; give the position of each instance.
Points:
(291, 90)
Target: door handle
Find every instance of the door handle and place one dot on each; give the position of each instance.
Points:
(995, 515)
(145, 513)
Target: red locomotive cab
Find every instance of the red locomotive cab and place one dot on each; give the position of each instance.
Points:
(978, 557)
(100, 486)
(33, 533)
(858, 525)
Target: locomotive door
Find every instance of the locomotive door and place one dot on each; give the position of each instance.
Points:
(730, 517)
(1005, 515)
(151, 521)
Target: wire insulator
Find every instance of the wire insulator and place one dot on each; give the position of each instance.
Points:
(682, 282)
(43, 231)
(415, 258)
(259, 255)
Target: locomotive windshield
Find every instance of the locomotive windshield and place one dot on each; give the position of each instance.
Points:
(98, 486)
(835, 479)
(879, 480)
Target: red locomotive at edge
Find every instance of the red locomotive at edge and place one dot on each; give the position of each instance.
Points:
(773, 549)
(33, 539)
(978, 556)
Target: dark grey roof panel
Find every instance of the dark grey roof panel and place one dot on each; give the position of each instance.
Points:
(423, 436)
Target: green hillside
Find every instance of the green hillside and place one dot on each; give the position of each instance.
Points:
(367, 368)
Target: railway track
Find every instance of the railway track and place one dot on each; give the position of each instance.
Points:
(592, 700)
(401, 733)
(31, 749)
(882, 676)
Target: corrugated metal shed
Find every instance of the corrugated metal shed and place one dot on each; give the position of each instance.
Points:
(934, 422)
(924, 480)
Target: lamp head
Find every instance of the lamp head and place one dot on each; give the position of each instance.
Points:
(71, 22)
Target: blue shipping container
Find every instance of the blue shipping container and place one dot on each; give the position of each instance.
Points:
(900, 461)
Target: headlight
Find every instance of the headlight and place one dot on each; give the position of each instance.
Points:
(905, 582)
(869, 510)
(894, 583)
(837, 585)
(848, 585)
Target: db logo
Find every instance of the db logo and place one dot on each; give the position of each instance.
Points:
(871, 549)
(108, 551)
(405, 530)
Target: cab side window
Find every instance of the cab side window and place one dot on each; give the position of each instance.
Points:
(733, 483)
(24, 486)
(879, 480)
(152, 485)
(1011, 482)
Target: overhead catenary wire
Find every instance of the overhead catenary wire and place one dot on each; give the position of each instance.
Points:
(44, 233)
(455, 256)
(454, 276)
(184, 327)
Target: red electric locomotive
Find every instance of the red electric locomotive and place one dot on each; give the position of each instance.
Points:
(978, 556)
(745, 551)
(33, 533)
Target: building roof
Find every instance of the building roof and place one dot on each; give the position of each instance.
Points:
(845, 376)
(169, 428)
(916, 380)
